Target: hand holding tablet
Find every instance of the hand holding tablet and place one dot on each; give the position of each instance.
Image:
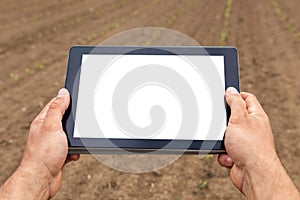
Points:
(162, 99)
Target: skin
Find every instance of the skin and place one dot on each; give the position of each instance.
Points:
(39, 175)
(254, 166)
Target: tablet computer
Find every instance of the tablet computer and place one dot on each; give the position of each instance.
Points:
(149, 99)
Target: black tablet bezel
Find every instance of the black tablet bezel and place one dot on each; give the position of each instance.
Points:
(99, 145)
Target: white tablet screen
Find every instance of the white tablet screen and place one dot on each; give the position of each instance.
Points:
(100, 75)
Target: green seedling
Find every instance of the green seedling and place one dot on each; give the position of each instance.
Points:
(82, 41)
(226, 23)
(91, 37)
(123, 19)
(208, 158)
(228, 9)
(298, 35)
(15, 78)
(135, 13)
(284, 18)
(181, 11)
(40, 66)
(29, 71)
(64, 53)
(224, 33)
(178, 13)
(224, 36)
(203, 185)
(113, 26)
(78, 19)
(102, 33)
(46, 62)
(147, 43)
(172, 20)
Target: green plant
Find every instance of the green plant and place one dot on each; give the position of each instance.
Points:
(135, 13)
(78, 19)
(113, 26)
(40, 66)
(91, 37)
(224, 35)
(15, 77)
(28, 71)
(285, 19)
(46, 62)
(227, 14)
(208, 158)
(228, 9)
(123, 19)
(178, 12)
(203, 184)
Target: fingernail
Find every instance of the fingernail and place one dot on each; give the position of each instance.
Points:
(229, 161)
(62, 92)
(232, 90)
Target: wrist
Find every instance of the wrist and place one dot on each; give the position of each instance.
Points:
(36, 178)
(262, 172)
(25, 183)
(267, 179)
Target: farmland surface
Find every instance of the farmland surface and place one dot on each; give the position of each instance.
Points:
(35, 37)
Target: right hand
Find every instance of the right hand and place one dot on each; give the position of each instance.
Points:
(248, 139)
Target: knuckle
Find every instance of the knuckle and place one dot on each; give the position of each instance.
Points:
(236, 101)
(55, 105)
(58, 106)
(252, 96)
(35, 123)
(231, 102)
(235, 120)
(49, 127)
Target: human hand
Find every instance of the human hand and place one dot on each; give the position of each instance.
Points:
(46, 149)
(249, 142)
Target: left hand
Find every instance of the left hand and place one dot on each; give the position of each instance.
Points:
(46, 150)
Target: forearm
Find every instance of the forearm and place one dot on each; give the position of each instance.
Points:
(25, 184)
(269, 180)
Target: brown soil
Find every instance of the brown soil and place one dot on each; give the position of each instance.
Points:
(34, 43)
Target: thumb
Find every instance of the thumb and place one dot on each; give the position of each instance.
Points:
(57, 109)
(236, 103)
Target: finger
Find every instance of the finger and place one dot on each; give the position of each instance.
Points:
(225, 160)
(236, 103)
(57, 109)
(42, 115)
(74, 157)
(237, 177)
(252, 104)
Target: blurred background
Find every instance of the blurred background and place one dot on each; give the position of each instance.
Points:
(35, 37)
